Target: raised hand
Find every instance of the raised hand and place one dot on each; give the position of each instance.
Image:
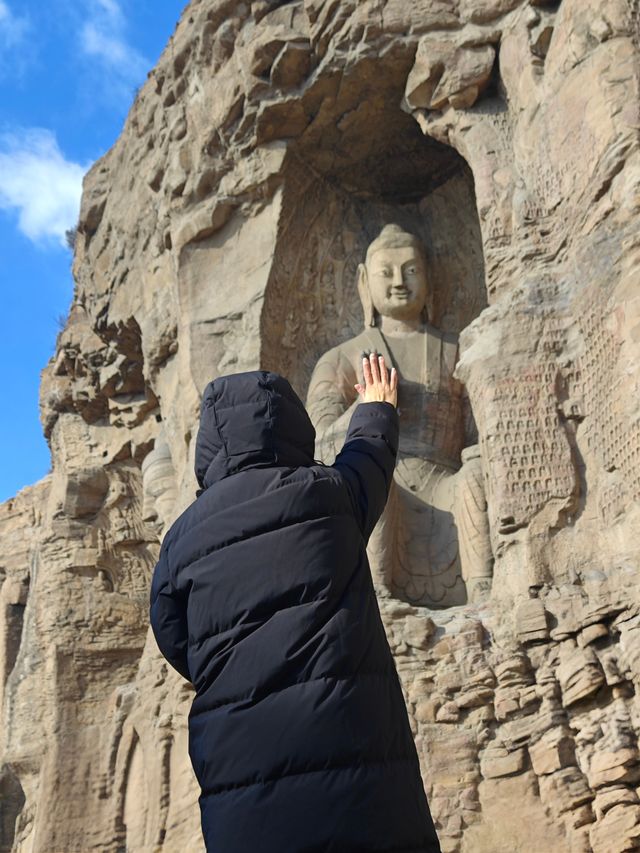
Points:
(378, 387)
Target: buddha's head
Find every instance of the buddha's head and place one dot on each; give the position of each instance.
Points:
(158, 487)
(393, 279)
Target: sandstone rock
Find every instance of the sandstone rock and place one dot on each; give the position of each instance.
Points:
(514, 671)
(292, 64)
(448, 713)
(613, 795)
(481, 11)
(497, 761)
(618, 831)
(591, 633)
(579, 674)
(447, 73)
(506, 702)
(518, 732)
(611, 668)
(533, 832)
(567, 612)
(15, 591)
(475, 698)
(552, 752)
(427, 711)
(565, 790)
(223, 232)
(418, 631)
(85, 492)
(531, 621)
(606, 767)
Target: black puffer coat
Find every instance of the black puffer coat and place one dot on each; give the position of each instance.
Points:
(263, 598)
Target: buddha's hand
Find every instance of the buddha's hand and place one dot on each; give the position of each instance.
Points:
(378, 387)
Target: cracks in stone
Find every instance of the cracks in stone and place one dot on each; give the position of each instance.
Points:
(570, 514)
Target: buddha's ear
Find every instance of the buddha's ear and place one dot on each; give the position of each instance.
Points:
(365, 297)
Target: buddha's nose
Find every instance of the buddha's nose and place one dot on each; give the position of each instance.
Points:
(397, 279)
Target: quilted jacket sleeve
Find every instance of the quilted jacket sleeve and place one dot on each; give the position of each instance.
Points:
(368, 458)
(168, 617)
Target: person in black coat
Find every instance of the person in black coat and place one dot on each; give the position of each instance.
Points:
(263, 598)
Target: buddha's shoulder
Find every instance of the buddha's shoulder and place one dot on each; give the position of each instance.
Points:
(451, 338)
(352, 349)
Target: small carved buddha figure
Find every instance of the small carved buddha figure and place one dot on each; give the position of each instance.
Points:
(431, 545)
(158, 487)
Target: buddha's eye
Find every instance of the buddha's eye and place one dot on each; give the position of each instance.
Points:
(386, 272)
(411, 270)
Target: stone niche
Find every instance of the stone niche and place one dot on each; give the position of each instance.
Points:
(370, 168)
(286, 268)
(223, 233)
(276, 284)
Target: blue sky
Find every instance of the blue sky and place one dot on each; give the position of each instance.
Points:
(68, 73)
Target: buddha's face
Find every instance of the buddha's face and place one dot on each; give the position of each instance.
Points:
(397, 282)
(159, 492)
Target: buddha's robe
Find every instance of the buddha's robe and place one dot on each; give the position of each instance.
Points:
(414, 550)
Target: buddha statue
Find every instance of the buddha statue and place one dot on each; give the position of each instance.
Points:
(431, 545)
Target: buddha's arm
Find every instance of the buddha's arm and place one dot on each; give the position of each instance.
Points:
(470, 428)
(468, 420)
(331, 397)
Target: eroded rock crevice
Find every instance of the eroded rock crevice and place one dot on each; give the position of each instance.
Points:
(225, 231)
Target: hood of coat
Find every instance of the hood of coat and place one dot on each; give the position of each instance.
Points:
(252, 419)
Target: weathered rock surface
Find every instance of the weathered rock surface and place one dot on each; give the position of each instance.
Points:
(222, 233)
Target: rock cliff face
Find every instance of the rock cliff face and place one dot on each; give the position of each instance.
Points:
(222, 233)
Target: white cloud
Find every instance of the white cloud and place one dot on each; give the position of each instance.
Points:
(103, 38)
(38, 183)
(12, 28)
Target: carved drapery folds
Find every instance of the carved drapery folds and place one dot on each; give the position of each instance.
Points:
(223, 232)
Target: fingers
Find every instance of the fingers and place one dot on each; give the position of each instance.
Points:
(376, 373)
(375, 369)
(384, 374)
(366, 369)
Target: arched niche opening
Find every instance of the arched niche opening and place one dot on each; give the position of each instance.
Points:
(372, 166)
(12, 799)
(134, 796)
(367, 168)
